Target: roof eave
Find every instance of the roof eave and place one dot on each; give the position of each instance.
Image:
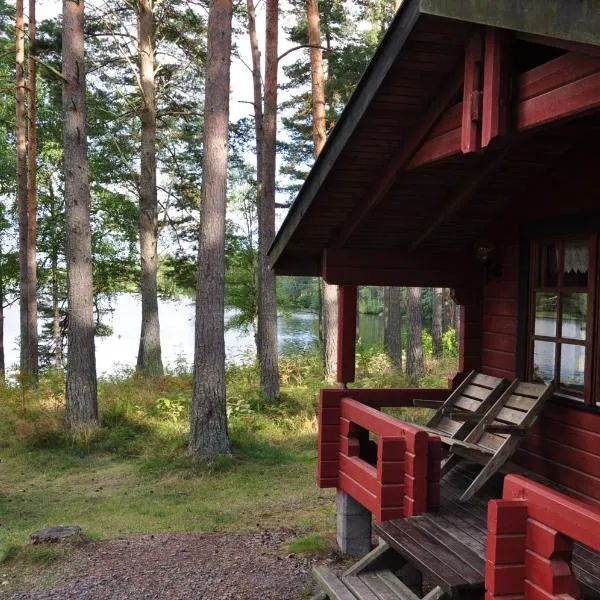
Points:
(384, 58)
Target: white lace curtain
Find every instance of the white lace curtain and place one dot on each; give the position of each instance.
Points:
(576, 258)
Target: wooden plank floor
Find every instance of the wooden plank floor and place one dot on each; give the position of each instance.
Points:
(449, 545)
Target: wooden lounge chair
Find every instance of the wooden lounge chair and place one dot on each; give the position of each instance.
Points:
(467, 405)
(495, 438)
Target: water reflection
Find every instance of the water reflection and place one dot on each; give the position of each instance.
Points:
(297, 332)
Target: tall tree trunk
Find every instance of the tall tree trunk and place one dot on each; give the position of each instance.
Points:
(81, 393)
(437, 310)
(267, 295)
(32, 333)
(329, 294)
(21, 136)
(414, 356)
(209, 435)
(457, 323)
(56, 331)
(449, 312)
(266, 133)
(2, 364)
(149, 360)
(392, 325)
(57, 335)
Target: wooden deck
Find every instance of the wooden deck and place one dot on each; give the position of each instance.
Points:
(448, 546)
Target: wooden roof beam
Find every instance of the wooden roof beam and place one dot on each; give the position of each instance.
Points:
(496, 85)
(487, 166)
(564, 87)
(401, 268)
(446, 95)
(472, 95)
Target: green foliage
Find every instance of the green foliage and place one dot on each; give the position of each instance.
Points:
(449, 344)
(136, 473)
(427, 344)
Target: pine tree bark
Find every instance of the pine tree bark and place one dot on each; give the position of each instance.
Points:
(266, 332)
(267, 295)
(209, 435)
(392, 325)
(22, 198)
(149, 360)
(457, 323)
(414, 356)
(2, 363)
(329, 293)
(32, 333)
(437, 310)
(81, 392)
(56, 330)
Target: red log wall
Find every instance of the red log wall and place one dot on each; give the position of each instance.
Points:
(564, 446)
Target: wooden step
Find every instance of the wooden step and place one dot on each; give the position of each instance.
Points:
(332, 585)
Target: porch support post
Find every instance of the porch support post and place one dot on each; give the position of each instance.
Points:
(353, 526)
(346, 349)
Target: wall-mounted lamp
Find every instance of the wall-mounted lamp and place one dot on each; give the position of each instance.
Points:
(487, 255)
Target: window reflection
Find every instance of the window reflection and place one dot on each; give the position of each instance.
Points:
(574, 316)
(572, 367)
(545, 313)
(543, 361)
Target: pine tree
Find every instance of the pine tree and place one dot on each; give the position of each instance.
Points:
(149, 360)
(392, 325)
(209, 435)
(81, 393)
(415, 368)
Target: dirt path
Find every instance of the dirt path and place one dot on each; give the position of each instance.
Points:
(176, 567)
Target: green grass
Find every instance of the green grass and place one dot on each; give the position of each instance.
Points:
(133, 475)
(310, 544)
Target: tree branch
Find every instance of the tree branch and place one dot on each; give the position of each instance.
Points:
(300, 47)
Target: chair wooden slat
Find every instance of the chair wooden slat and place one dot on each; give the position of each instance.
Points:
(474, 396)
(499, 431)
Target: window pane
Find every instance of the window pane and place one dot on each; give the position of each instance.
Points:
(548, 266)
(572, 367)
(543, 361)
(574, 316)
(577, 261)
(545, 314)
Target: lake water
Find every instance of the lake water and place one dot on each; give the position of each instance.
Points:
(297, 331)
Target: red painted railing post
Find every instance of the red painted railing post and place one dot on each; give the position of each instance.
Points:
(390, 476)
(505, 552)
(328, 445)
(530, 541)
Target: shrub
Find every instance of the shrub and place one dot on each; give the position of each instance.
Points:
(449, 344)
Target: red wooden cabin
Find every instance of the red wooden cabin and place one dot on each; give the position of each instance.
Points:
(469, 158)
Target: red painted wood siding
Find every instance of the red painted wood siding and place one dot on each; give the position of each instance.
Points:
(499, 328)
(564, 446)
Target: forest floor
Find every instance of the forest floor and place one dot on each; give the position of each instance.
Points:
(155, 523)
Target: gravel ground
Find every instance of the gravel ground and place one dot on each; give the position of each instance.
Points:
(178, 567)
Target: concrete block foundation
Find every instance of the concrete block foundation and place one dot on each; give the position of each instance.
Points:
(353, 526)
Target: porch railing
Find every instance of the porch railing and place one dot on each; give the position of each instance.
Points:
(393, 476)
(531, 532)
